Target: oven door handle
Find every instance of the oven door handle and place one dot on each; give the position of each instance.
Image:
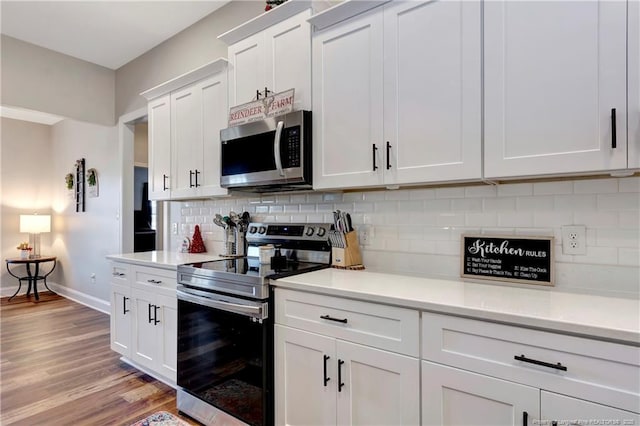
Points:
(250, 311)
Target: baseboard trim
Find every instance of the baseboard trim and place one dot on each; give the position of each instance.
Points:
(82, 298)
(151, 373)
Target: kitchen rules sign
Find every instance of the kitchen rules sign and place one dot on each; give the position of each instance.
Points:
(515, 259)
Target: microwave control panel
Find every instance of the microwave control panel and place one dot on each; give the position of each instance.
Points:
(291, 144)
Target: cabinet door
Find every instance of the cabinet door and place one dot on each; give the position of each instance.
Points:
(121, 318)
(565, 410)
(213, 98)
(160, 148)
(380, 387)
(144, 342)
(288, 58)
(303, 396)
(246, 69)
(347, 103)
(432, 88)
(167, 328)
(457, 397)
(633, 74)
(553, 73)
(186, 140)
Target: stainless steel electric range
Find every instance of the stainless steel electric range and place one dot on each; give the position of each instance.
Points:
(225, 323)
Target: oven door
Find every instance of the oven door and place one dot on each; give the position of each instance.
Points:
(225, 348)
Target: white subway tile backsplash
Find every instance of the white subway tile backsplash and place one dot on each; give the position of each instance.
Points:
(628, 238)
(620, 201)
(595, 186)
(450, 192)
(552, 188)
(480, 191)
(466, 204)
(534, 204)
(629, 256)
(629, 219)
(629, 184)
(552, 219)
(575, 202)
(422, 194)
(515, 189)
(397, 195)
(417, 230)
(515, 219)
(451, 219)
(499, 204)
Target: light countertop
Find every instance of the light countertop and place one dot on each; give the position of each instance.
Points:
(600, 317)
(162, 259)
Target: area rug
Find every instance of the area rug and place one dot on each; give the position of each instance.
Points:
(161, 418)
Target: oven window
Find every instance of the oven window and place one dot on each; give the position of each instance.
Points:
(225, 359)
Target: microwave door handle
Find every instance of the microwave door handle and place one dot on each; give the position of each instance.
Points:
(276, 147)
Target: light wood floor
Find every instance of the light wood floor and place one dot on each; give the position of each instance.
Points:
(56, 368)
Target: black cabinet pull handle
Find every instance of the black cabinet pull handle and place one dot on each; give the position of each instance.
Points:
(154, 281)
(124, 305)
(388, 152)
(340, 384)
(554, 423)
(525, 418)
(191, 185)
(149, 314)
(375, 148)
(325, 378)
(557, 366)
(155, 314)
(327, 317)
(614, 143)
(164, 182)
(197, 173)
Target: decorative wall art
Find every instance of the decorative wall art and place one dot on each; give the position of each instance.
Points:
(80, 182)
(92, 183)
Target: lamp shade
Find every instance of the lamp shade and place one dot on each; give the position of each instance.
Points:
(35, 223)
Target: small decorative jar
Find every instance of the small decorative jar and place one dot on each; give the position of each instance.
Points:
(24, 254)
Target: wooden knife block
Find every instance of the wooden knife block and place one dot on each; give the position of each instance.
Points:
(348, 257)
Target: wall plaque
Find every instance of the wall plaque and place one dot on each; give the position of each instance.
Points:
(269, 106)
(518, 259)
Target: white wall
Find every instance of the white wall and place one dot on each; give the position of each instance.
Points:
(43, 80)
(187, 50)
(25, 184)
(83, 239)
(417, 231)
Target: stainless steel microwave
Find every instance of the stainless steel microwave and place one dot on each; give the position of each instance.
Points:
(268, 155)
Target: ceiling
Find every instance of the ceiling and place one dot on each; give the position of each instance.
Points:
(107, 33)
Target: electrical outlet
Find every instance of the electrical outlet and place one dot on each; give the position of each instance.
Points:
(366, 233)
(574, 239)
(174, 228)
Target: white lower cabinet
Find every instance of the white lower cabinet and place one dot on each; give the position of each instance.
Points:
(323, 380)
(478, 372)
(144, 317)
(451, 396)
(563, 410)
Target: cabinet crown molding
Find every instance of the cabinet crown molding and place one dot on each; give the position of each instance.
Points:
(265, 20)
(341, 11)
(185, 79)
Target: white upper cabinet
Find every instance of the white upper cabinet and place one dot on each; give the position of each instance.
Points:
(432, 89)
(273, 51)
(186, 115)
(396, 96)
(348, 104)
(159, 116)
(554, 77)
(633, 75)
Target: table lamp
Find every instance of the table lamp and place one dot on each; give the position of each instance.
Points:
(34, 225)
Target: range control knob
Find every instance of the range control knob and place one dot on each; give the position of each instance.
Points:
(309, 231)
(262, 230)
(252, 229)
(321, 232)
